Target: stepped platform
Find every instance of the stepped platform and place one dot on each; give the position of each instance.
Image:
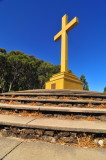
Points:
(57, 116)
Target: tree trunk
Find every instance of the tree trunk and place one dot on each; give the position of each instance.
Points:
(10, 86)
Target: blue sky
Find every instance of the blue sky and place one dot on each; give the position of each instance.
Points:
(30, 25)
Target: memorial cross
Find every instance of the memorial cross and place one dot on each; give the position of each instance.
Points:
(63, 34)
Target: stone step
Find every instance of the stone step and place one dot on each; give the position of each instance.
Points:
(53, 124)
(53, 100)
(53, 109)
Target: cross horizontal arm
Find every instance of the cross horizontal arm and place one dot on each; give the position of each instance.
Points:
(57, 36)
(72, 24)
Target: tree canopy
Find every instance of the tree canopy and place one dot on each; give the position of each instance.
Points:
(19, 71)
(104, 90)
(85, 83)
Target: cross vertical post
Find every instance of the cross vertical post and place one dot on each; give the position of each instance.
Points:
(64, 45)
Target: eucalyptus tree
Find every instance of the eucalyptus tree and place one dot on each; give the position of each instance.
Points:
(85, 83)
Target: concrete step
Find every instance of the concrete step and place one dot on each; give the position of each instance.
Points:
(69, 95)
(56, 92)
(53, 109)
(55, 101)
(53, 124)
(59, 91)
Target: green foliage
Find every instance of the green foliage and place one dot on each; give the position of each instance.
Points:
(70, 71)
(2, 50)
(10, 91)
(104, 89)
(85, 83)
(19, 71)
(45, 71)
(3, 72)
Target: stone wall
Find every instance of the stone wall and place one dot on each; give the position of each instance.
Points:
(55, 136)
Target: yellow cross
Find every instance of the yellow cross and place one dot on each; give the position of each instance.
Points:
(64, 40)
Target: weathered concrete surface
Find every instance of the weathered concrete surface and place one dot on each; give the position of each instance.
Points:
(58, 92)
(54, 100)
(7, 145)
(69, 125)
(55, 124)
(51, 108)
(69, 91)
(100, 95)
(13, 106)
(14, 120)
(72, 109)
(47, 151)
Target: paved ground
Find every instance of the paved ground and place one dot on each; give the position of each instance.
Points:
(55, 124)
(16, 149)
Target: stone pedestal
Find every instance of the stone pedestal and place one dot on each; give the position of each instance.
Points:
(64, 80)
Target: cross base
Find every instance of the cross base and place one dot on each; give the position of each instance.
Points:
(64, 80)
